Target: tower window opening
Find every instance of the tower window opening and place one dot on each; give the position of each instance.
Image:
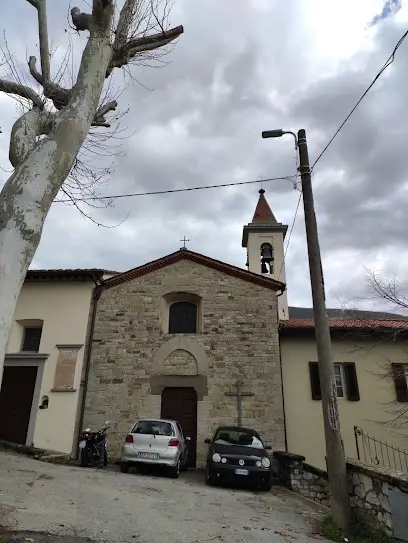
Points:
(267, 258)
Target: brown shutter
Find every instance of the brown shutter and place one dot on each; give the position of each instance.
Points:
(353, 393)
(315, 380)
(400, 379)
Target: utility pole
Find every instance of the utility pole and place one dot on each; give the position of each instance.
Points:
(335, 457)
(336, 460)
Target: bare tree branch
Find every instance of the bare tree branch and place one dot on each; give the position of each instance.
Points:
(386, 288)
(25, 131)
(81, 21)
(127, 16)
(10, 87)
(43, 37)
(146, 43)
(53, 91)
(99, 119)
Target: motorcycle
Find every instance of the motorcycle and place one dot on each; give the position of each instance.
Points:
(93, 447)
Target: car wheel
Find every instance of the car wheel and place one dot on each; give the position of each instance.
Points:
(183, 466)
(175, 472)
(266, 485)
(209, 478)
(124, 468)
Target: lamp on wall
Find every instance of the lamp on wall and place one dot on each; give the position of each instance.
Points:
(44, 402)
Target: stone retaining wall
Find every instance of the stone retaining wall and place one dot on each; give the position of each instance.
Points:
(378, 494)
(371, 490)
(302, 478)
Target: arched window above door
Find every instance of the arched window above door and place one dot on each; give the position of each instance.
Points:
(183, 318)
(181, 313)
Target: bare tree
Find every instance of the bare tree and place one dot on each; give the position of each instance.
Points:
(383, 329)
(46, 139)
(389, 290)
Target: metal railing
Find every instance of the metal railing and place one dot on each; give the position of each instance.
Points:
(373, 451)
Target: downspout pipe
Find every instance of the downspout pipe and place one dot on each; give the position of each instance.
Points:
(96, 292)
(281, 372)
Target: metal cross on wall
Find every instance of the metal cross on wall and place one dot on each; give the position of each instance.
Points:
(239, 394)
(184, 240)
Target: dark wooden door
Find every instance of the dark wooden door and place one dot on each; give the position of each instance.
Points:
(16, 399)
(181, 404)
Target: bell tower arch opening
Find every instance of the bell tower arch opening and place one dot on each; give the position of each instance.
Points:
(263, 239)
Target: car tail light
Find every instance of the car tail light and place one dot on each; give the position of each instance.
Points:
(129, 438)
(173, 442)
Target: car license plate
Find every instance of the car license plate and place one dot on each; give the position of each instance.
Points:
(152, 456)
(82, 444)
(241, 471)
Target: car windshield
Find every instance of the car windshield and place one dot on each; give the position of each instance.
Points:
(153, 427)
(240, 438)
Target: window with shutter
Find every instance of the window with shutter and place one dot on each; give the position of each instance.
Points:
(345, 378)
(315, 380)
(400, 374)
(353, 393)
(183, 318)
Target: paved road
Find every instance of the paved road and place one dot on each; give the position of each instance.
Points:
(107, 506)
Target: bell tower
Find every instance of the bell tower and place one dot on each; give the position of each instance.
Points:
(263, 239)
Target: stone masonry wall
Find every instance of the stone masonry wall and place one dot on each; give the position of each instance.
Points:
(180, 362)
(302, 478)
(238, 339)
(369, 486)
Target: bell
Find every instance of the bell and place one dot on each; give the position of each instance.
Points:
(266, 252)
(264, 267)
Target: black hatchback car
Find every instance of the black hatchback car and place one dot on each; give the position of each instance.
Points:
(238, 454)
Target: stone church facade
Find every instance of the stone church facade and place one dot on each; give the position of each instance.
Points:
(172, 337)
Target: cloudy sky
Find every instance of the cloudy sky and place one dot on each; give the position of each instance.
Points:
(241, 67)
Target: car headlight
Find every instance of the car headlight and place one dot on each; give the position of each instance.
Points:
(266, 462)
(216, 457)
(258, 463)
(224, 460)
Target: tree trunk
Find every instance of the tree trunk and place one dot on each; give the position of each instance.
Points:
(39, 174)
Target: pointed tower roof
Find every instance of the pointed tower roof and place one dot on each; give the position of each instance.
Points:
(263, 220)
(263, 212)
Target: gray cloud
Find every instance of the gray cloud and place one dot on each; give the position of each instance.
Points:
(241, 68)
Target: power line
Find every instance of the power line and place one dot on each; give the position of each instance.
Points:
(388, 62)
(290, 234)
(291, 178)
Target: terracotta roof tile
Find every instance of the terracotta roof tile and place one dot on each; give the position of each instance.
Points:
(349, 323)
(263, 212)
(64, 274)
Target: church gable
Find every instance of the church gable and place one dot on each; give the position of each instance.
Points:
(190, 256)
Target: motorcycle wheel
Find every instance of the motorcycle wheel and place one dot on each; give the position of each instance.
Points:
(84, 458)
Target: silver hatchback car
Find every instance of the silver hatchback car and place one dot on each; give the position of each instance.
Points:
(156, 442)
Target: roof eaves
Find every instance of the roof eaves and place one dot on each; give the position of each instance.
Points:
(185, 254)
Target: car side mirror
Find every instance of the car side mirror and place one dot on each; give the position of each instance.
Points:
(208, 441)
(268, 447)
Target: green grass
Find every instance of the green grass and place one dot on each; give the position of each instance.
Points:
(360, 532)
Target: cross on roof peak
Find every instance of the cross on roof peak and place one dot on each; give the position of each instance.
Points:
(184, 241)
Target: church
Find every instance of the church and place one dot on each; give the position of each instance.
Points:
(206, 343)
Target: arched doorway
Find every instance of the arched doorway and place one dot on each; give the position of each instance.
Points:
(180, 403)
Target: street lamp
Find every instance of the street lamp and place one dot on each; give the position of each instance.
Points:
(278, 134)
(336, 461)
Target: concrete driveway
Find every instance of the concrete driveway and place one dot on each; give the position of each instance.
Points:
(104, 505)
